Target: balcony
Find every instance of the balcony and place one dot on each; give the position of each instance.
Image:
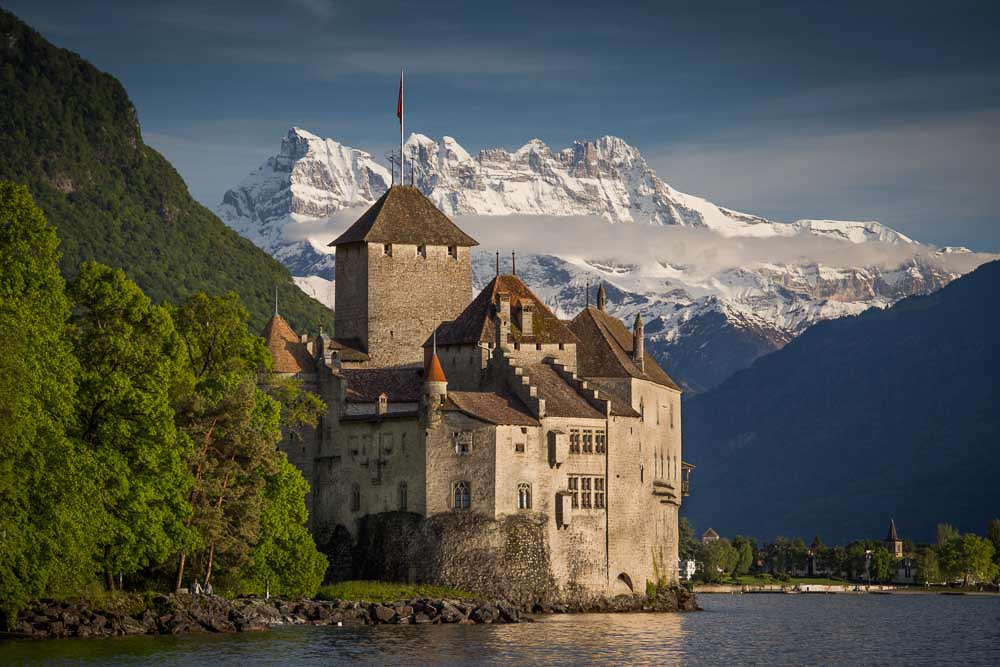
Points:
(686, 469)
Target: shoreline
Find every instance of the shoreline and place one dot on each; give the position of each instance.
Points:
(183, 613)
(826, 589)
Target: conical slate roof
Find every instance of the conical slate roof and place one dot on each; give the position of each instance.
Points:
(404, 215)
(434, 371)
(892, 536)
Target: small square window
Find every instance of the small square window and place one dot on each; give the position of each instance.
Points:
(422, 250)
(453, 251)
(387, 249)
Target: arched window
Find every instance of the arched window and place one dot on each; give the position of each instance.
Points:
(462, 497)
(355, 497)
(401, 492)
(642, 409)
(524, 496)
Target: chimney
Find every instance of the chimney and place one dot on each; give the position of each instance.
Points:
(638, 343)
(602, 298)
(526, 312)
(502, 318)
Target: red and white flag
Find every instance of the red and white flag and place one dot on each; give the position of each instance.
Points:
(399, 102)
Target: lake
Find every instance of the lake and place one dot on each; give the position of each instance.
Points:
(761, 629)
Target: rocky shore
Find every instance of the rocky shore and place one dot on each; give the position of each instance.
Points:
(186, 614)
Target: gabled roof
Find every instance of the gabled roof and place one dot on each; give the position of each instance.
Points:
(289, 353)
(348, 349)
(490, 407)
(400, 385)
(605, 350)
(710, 533)
(404, 215)
(561, 398)
(475, 324)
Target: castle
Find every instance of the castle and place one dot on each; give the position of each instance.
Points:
(480, 441)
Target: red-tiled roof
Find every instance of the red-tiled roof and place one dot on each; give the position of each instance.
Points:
(490, 407)
(434, 371)
(475, 324)
(400, 385)
(289, 353)
(605, 350)
(404, 215)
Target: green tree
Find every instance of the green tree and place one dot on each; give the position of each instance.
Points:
(856, 560)
(46, 530)
(128, 353)
(687, 544)
(945, 532)
(880, 564)
(236, 427)
(928, 571)
(745, 548)
(285, 560)
(718, 559)
(969, 557)
(993, 531)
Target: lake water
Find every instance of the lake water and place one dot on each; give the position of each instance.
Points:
(733, 629)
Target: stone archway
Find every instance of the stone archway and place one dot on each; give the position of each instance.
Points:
(623, 584)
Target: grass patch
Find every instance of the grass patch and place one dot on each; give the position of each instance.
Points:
(386, 591)
(747, 580)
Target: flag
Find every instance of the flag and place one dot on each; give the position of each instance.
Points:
(399, 102)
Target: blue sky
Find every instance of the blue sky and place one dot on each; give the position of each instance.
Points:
(875, 111)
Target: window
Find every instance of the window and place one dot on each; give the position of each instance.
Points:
(671, 414)
(600, 442)
(387, 249)
(574, 441)
(385, 443)
(588, 442)
(366, 444)
(599, 493)
(463, 442)
(461, 496)
(422, 250)
(642, 410)
(585, 493)
(355, 497)
(352, 444)
(574, 483)
(524, 496)
(401, 496)
(453, 251)
(402, 444)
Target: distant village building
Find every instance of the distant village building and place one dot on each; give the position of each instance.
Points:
(686, 569)
(709, 536)
(480, 439)
(892, 541)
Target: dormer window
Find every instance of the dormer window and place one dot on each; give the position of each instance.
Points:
(387, 249)
(453, 251)
(422, 250)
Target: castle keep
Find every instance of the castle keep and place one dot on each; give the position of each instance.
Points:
(480, 442)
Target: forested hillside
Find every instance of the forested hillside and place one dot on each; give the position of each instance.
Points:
(70, 133)
(888, 414)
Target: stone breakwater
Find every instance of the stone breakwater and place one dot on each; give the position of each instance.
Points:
(188, 614)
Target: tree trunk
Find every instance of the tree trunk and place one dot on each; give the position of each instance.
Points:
(180, 571)
(211, 561)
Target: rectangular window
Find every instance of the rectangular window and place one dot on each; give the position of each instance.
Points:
(574, 483)
(453, 251)
(366, 445)
(422, 250)
(588, 442)
(601, 442)
(599, 493)
(352, 445)
(574, 441)
(463, 442)
(385, 443)
(387, 249)
(585, 492)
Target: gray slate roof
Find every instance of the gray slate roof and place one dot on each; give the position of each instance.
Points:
(404, 215)
(490, 407)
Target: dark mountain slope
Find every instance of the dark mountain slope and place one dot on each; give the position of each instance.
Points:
(70, 133)
(891, 413)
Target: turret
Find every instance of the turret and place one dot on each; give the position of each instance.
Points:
(435, 389)
(502, 322)
(638, 343)
(602, 298)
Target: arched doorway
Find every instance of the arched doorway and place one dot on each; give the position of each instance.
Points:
(623, 584)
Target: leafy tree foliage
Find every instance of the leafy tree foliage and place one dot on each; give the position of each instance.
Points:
(993, 531)
(928, 571)
(945, 533)
(70, 133)
(46, 528)
(745, 548)
(880, 564)
(129, 361)
(718, 559)
(688, 545)
(968, 557)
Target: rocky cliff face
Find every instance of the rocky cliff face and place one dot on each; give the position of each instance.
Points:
(708, 316)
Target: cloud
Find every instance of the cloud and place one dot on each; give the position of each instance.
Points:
(700, 253)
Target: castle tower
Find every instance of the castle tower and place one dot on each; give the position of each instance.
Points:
(402, 268)
(638, 342)
(434, 390)
(892, 541)
(602, 298)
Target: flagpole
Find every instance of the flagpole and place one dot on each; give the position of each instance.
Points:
(402, 159)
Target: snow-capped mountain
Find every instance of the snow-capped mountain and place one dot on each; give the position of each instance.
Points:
(708, 316)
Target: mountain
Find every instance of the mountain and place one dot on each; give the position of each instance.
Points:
(718, 288)
(886, 414)
(70, 133)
